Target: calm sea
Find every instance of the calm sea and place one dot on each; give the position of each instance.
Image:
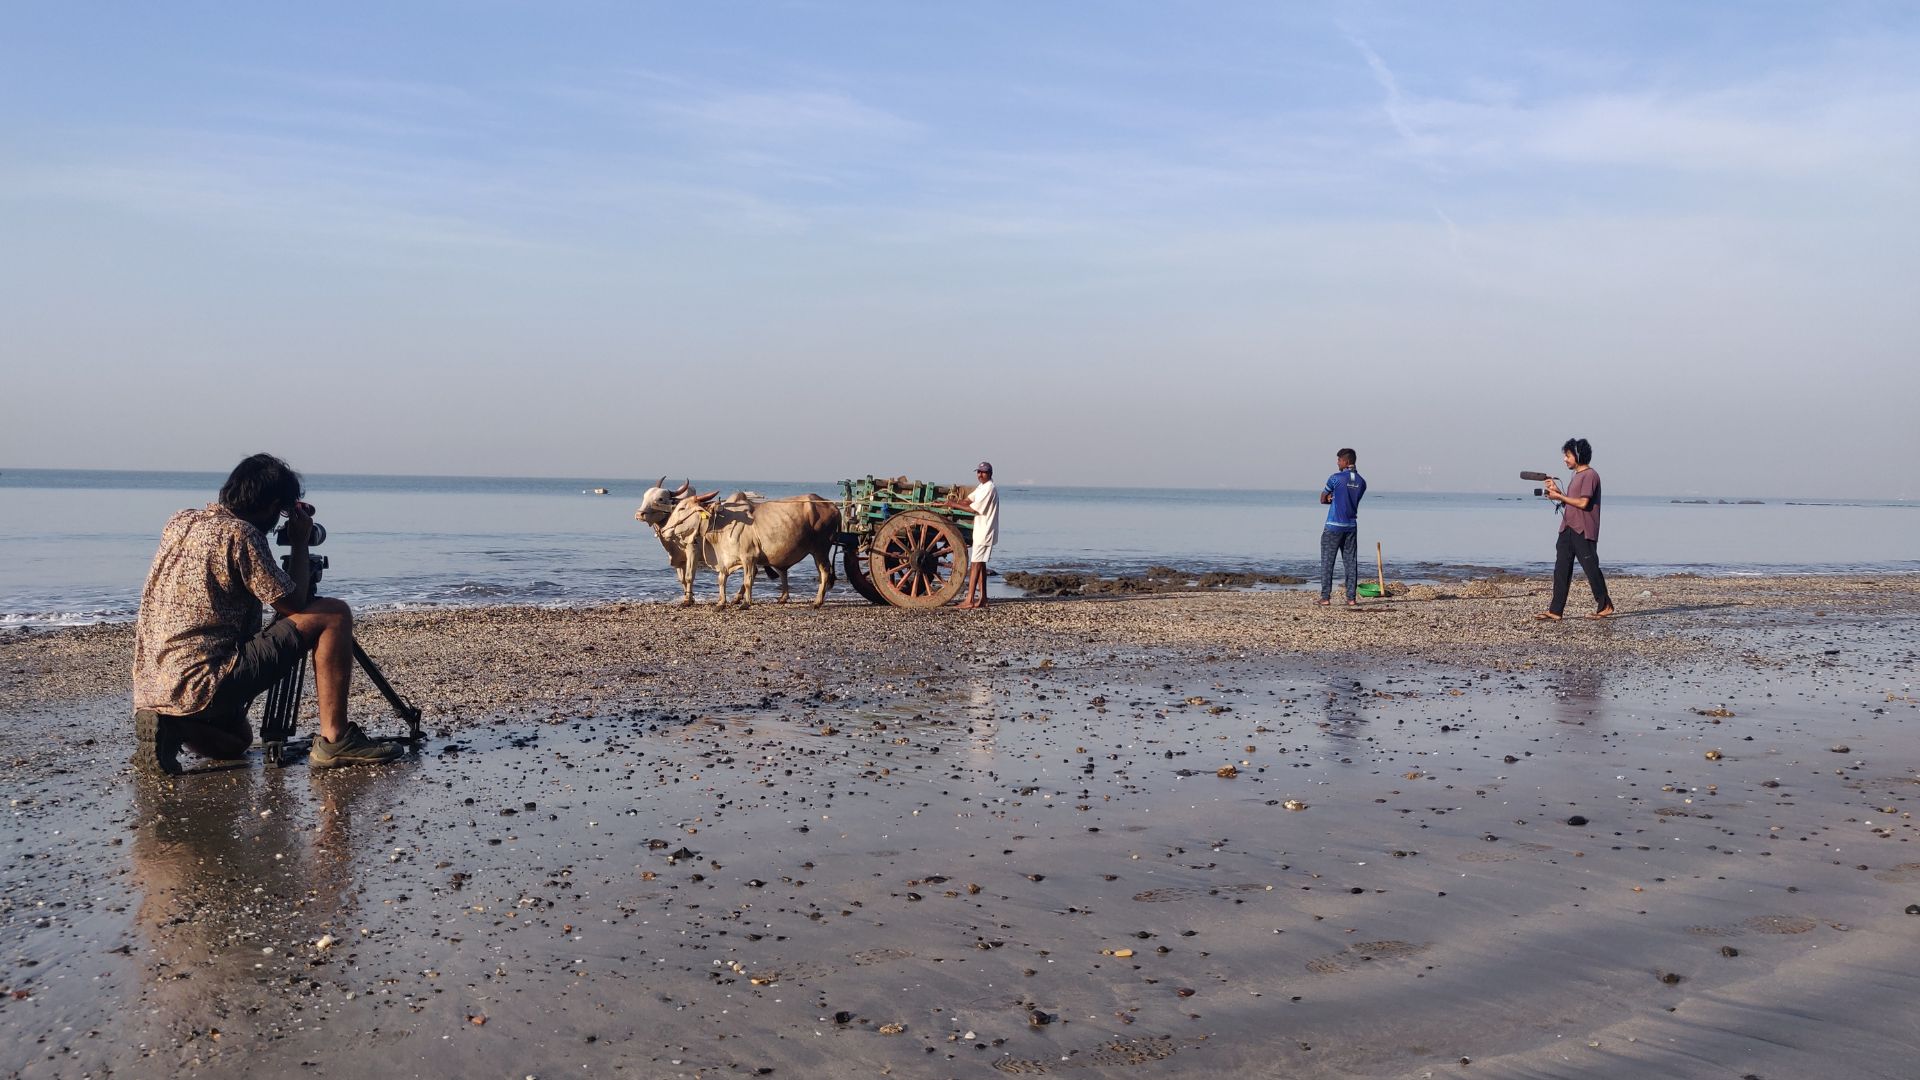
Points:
(75, 544)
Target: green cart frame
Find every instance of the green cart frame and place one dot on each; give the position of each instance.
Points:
(901, 544)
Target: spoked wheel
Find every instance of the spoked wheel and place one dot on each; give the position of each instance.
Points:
(853, 559)
(918, 560)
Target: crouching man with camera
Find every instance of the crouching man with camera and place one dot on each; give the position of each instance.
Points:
(1579, 532)
(199, 654)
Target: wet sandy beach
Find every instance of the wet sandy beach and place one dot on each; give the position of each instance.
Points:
(649, 842)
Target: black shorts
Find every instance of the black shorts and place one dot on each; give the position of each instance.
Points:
(264, 658)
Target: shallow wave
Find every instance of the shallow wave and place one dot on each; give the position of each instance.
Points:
(614, 584)
(29, 619)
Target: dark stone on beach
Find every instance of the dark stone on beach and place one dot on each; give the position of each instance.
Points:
(1156, 579)
(1728, 950)
(1510, 759)
(1913, 909)
(843, 1017)
(1218, 580)
(1048, 584)
(1670, 978)
(1489, 838)
(1576, 820)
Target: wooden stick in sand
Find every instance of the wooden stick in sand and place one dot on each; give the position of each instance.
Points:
(1380, 564)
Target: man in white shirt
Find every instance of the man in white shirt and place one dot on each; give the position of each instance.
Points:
(985, 504)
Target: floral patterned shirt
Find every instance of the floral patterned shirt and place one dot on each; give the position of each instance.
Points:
(202, 601)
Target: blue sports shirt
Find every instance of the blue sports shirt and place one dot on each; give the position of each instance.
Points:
(1347, 487)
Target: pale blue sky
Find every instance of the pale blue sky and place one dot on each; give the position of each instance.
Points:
(1099, 243)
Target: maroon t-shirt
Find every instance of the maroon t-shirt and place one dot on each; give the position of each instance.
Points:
(1585, 484)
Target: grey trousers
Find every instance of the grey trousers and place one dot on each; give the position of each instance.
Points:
(1346, 544)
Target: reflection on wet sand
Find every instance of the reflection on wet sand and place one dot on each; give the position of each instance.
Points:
(1342, 715)
(983, 723)
(237, 873)
(1042, 869)
(1577, 698)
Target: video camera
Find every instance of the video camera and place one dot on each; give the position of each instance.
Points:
(315, 563)
(314, 539)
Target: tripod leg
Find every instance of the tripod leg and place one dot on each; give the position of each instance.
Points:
(400, 707)
(282, 711)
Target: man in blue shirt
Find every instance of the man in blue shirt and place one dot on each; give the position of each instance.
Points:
(1342, 497)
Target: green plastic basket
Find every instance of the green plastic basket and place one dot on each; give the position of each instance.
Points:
(1369, 588)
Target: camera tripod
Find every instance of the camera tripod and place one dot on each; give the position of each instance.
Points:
(283, 698)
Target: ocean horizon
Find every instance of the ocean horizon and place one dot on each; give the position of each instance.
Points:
(70, 557)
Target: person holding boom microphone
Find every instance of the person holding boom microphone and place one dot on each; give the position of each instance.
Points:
(1579, 532)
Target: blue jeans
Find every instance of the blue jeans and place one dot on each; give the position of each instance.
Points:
(1346, 544)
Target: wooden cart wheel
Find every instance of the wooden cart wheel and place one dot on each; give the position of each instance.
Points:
(853, 559)
(918, 560)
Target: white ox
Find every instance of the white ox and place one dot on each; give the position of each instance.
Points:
(656, 506)
(743, 532)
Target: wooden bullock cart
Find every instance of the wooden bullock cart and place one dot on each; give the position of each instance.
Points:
(900, 544)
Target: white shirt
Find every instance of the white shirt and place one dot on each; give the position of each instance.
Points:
(985, 501)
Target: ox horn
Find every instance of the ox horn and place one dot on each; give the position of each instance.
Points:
(662, 483)
(685, 486)
(707, 498)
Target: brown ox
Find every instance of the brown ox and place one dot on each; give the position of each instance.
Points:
(746, 533)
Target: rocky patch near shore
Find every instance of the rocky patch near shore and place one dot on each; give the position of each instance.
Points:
(1156, 579)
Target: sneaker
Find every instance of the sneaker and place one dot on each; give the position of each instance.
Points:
(355, 748)
(159, 745)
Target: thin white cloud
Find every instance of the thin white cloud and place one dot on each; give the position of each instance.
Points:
(1393, 105)
(784, 117)
(1667, 134)
(1818, 119)
(386, 93)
